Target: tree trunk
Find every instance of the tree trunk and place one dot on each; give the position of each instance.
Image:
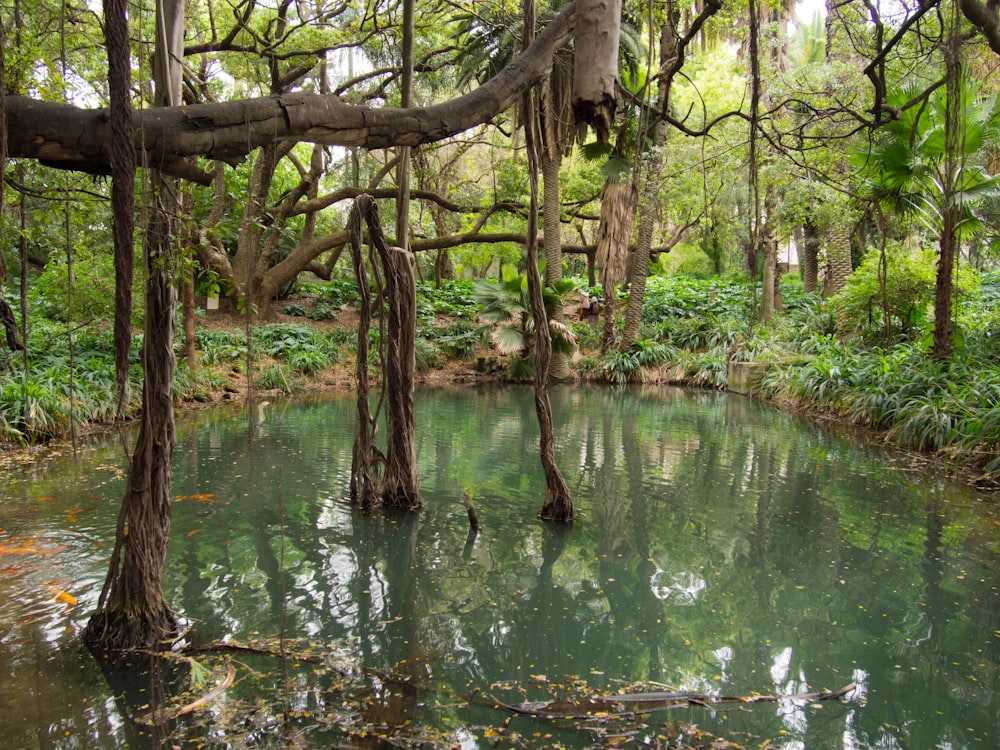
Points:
(838, 252)
(649, 203)
(595, 77)
(401, 486)
(559, 367)
(132, 612)
(809, 258)
(951, 168)
(558, 503)
(618, 202)
(122, 184)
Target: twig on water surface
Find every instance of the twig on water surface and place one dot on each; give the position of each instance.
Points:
(156, 717)
(631, 705)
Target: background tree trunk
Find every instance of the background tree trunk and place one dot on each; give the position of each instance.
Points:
(809, 256)
(648, 204)
(618, 203)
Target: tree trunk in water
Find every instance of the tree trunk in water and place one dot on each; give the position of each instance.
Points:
(559, 367)
(558, 503)
(401, 486)
(618, 201)
(809, 261)
(132, 612)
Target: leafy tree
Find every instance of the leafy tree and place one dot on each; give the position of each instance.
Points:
(910, 171)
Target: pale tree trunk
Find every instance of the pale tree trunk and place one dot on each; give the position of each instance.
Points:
(132, 612)
(558, 503)
(618, 203)
(651, 189)
(249, 292)
(838, 253)
(595, 78)
(769, 252)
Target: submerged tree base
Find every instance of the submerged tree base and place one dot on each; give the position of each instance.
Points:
(113, 631)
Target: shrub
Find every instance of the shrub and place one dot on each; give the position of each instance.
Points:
(685, 260)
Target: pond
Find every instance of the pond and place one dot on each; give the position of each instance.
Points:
(723, 548)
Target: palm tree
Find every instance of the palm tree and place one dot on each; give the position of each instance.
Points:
(506, 305)
(919, 166)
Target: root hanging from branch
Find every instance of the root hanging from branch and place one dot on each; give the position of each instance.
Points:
(398, 484)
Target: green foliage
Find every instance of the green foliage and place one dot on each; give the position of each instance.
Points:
(909, 290)
(685, 260)
(507, 307)
(323, 311)
(276, 376)
(336, 292)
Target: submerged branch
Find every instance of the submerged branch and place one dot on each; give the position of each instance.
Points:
(634, 705)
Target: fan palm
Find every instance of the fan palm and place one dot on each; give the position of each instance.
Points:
(507, 307)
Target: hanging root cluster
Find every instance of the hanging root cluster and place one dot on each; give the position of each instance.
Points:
(389, 476)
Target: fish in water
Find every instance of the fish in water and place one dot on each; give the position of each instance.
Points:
(61, 596)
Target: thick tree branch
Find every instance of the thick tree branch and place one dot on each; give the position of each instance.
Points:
(986, 18)
(68, 137)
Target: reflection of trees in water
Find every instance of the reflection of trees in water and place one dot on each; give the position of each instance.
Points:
(737, 506)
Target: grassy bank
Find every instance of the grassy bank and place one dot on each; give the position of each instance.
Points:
(691, 329)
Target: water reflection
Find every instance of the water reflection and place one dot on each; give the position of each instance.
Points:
(723, 548)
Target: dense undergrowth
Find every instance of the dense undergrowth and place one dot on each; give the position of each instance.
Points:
(864, 373)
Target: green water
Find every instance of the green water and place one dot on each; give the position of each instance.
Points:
(722, 547)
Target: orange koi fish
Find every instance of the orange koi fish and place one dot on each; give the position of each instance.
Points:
(61, 596)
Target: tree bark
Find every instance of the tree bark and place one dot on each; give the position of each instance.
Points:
(401, 485)
(809, 259)
(122, 184)
(558, 503)
(559, 367)
(595, 78)
(132, 612)
(618, 203)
